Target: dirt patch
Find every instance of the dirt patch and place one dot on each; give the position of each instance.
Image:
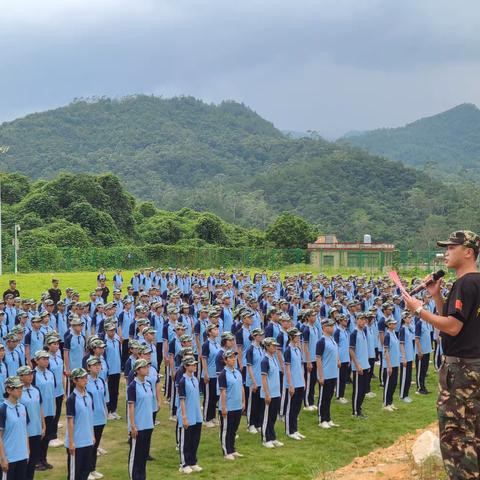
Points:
(392, 463)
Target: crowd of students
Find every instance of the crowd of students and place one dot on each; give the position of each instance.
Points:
(230, 345)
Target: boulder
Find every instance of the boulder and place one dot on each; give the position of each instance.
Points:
(427, 445)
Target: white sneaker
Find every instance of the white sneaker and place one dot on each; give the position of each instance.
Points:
(294, 436)
(196, 468)
(252, 429)
(388, 408)
(281, 418)
(300, 435)
(230, 456)
(237, 454)
(311, 408)
(370, 395)
(209, 424)
(55, 443)
(237, 436)
(276, 443)
(268, 445)
(111, 416)
(314, 407)
(259, 429)
(91, 477)
(185, 470)
(342, 400)
(324, 425)
(394, 407)
(173, 418)
(406, 400)
(157, 423)
(332, 424)
(117, 416)
(96, 474)
(102, 451)
(60, 425)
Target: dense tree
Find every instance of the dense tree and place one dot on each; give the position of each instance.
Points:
(290, 231)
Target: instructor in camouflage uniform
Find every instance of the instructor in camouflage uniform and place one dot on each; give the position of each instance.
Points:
(458, 402)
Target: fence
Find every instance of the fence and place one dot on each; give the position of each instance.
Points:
(130, 257)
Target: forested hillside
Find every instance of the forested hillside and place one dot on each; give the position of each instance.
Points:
(446, 145)
(188, 157)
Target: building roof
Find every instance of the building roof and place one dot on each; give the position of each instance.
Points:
(330, 242)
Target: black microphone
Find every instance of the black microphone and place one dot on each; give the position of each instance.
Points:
(435, 277)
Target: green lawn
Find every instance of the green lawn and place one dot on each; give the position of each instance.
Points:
(321, 451)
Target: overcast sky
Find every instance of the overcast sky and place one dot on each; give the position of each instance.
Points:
(330, 66)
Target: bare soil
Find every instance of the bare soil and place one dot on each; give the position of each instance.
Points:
(391, 463)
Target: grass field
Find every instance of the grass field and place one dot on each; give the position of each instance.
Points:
(320, 452)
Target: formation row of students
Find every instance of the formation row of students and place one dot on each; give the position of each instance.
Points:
(334, 334)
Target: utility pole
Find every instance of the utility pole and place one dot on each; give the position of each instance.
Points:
(15, 246)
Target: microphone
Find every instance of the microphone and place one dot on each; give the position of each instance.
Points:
(434, 278)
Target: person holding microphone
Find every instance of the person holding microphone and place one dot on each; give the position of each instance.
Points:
(458, 403)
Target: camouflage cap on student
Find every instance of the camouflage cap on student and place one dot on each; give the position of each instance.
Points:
(462, 237)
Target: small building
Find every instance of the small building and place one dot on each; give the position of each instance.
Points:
(328, 252)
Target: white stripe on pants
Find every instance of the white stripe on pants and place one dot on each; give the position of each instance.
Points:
(223, 434)
(249, 406)
(287, 413)
(265, 422)
(132, 458)
(182, 446)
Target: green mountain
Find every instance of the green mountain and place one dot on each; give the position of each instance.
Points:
(225, 159)
(447, 144)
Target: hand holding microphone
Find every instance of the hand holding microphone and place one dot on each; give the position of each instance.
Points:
(431, 279)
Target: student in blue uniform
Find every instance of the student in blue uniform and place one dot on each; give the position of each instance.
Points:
(407, 354)
(231, 404)
(342, 339)
(79, 438)
(391, 363)
(44, 380)
(74, 347)
(311, 335)
(253, 382)
(360, 366)
(32, 399)
(210, 349)
(13, 432)
(423, 348)
(294, 383)
(327, 366)
(12, 358)
(189, 417)
(140, 420)
(97, 388)
(113, 357)
(372, 338)
(270, 392)
(34, 340)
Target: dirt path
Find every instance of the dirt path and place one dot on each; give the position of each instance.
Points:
(392, 463)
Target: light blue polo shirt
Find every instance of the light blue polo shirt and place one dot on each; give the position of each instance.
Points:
(210, 350)
(188, 389)
(45, 382)
(407, 337)
(56, 367)
(32, 399)
(141, 395)
(231, 381)
(13, 422)
(271, 368)
(358, 341)
(80, 407)
(327, 350)
(75, 344)
(254, 358)
(113, 354)
(293, 357)
(392, 344)
(97, 388)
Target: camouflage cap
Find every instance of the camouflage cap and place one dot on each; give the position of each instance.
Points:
(210, 327)
(76, 320)
(229, 353)
(462, 237)
(93, 361)
(185, 338)
(269, 341)
(390, 320)
(13, 382)
(25, 370)
(109, 326)
(41, 354)
(294, 332)
(133, 344)
(227, 336)
(189, 361)
(327, 322)
(148, 330)
(144, 349)
(186, 351)
(256, 332)
(172, 309)
(140, 363)
(78, 373)
(52, 338)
